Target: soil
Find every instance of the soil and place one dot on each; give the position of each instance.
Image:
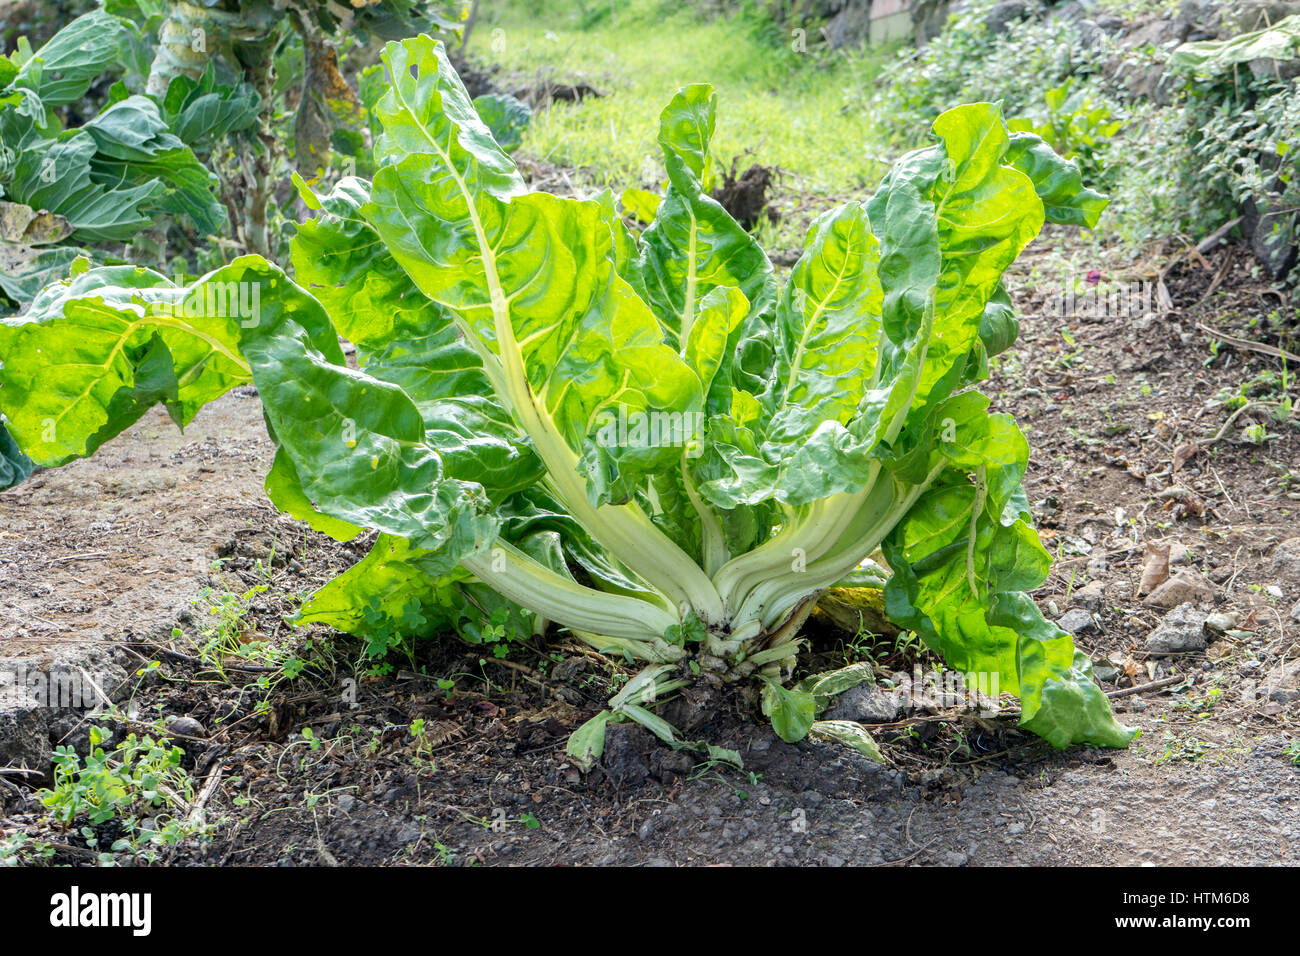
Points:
(745, 195)
(1130, 452)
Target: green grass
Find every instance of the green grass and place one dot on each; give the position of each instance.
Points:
(776, 107)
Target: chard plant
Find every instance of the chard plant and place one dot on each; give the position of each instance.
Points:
(644, 439)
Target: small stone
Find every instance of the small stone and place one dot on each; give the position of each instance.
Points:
(1295, 612)
(1183, 629)
(347, 802)
(1185, 587)
(954, 859)
(1210, 804)
(1273, 591)
(1016, 829)
(1090, 597)
(1002, 15)
(1222, 622)
(1106, 673)
(1077, 621)
(867, 704)
(409, 833)
(186, 727)
(1287, 556)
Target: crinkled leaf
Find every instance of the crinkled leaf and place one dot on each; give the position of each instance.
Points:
(850, 734)
(791, 711)
(507, 118)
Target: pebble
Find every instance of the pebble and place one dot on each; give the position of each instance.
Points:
(409, 833)
(186, 727)
(954, 859)
(1222, 622)
(1077, 621)
(867, 704)
(1287, 556)
(1090, 597)
(1183, 588)
(1183, 629)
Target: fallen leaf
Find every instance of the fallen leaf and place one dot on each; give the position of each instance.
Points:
(1155, 567)
(1184, 453)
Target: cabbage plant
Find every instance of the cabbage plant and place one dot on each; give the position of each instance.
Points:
(645, 439)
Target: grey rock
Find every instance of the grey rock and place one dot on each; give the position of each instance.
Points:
(1183, 629)
(1106, 673)
(1295, 612)
(1185, 587)
(1090, 597)
(954, 859)
(1272, 240)
(25, 739)
(346, 802)
(1281, 69)
(1197, 16)
(1091, 36)
(1287, 556)
(1072, 11)
(1246, 16)
(1002, 15)
(409, 833)
(1077, 621)
(867, 704)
